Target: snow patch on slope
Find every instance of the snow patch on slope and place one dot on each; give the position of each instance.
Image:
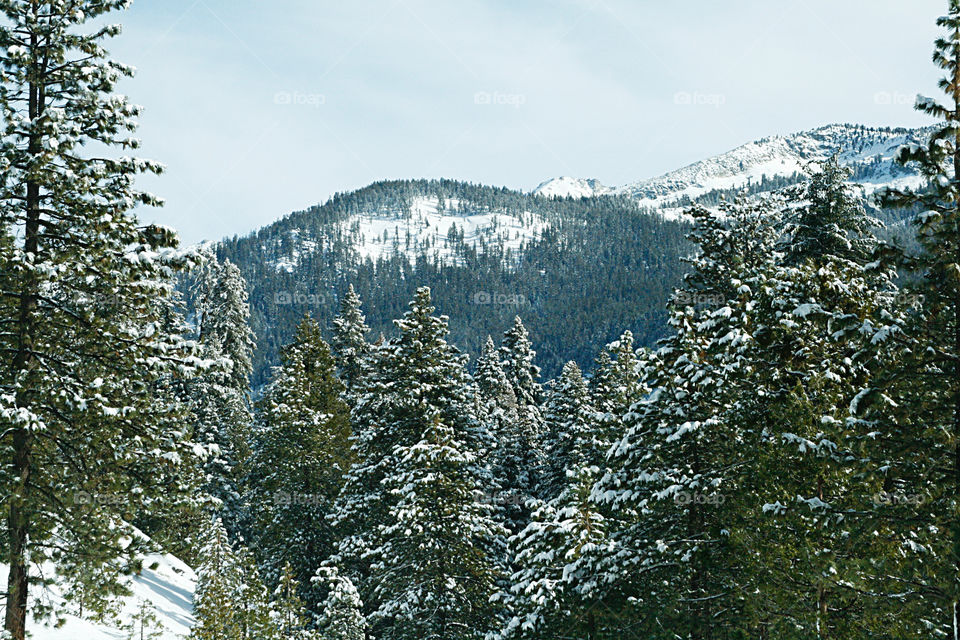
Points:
(565, 187)
(425, 228)
(166, 585)
(869, 151)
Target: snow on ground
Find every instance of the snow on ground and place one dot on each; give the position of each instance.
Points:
(166, 584)
(425, 228)
(866, 148)
(565, 187)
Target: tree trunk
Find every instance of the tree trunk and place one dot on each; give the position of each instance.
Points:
(18, 518)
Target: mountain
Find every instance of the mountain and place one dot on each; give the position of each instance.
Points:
(578, 272)
(868, 151)
(565, 187)
(579, 261)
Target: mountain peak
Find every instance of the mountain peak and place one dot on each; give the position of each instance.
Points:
(566, 187)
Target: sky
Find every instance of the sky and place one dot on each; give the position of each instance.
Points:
(263, 107)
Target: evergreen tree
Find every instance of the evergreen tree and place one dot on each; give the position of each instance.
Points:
(831, 220)
(568, 443)
(289, 612)
(910, 409)
(349, 341)
(218, 583)
(341, 616)
(615, 386)
(517, 354)
(301, 452)
(89, 291)
(807, 370)
(412, 503)
(252, 600)
(683, 471)
(435, 573)
(514, 461)
(219, 396)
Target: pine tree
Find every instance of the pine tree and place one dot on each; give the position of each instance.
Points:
(349, 342)
(252, 600)
(145, 623)
(412, 506)
(341, 615)
(568, 443)
(218, 583)
(90, 289)
(517, 354)
(615, 386)
(289, 611)
(301, 452)
(911, 408)
(682, 471)
(831, 220)
(219, 396)
(435, 575)
(807, 370)
(514, 461)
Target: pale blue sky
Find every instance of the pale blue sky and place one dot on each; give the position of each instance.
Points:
(262, 107)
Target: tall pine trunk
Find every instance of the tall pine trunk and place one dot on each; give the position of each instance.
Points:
(18, 519)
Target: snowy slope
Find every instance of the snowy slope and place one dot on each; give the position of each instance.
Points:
(422, 226)
(868, 150)
(166, 584)
(565, 187)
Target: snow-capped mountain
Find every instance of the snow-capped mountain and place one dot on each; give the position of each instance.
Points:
(868, 151)
(564, 187)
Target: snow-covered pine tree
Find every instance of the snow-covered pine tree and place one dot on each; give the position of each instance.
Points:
(349, 342)
(252, 600)
(289, 612)
(830, 219)
(568, 441)
(83, 340)
(807, 370)
(911, 408)
(682, 472)
(614, 387)
(341, 613)
(433, 566)
(517, 358)
(144, 624)
(215, 605)
(514, 461)
(412, 504)
(517, 355)
(557, 589)
(219, 396)
(301, 451)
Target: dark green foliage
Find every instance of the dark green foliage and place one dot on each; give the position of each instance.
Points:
(602, 266)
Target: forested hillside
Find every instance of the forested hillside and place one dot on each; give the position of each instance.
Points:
(577, 271)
